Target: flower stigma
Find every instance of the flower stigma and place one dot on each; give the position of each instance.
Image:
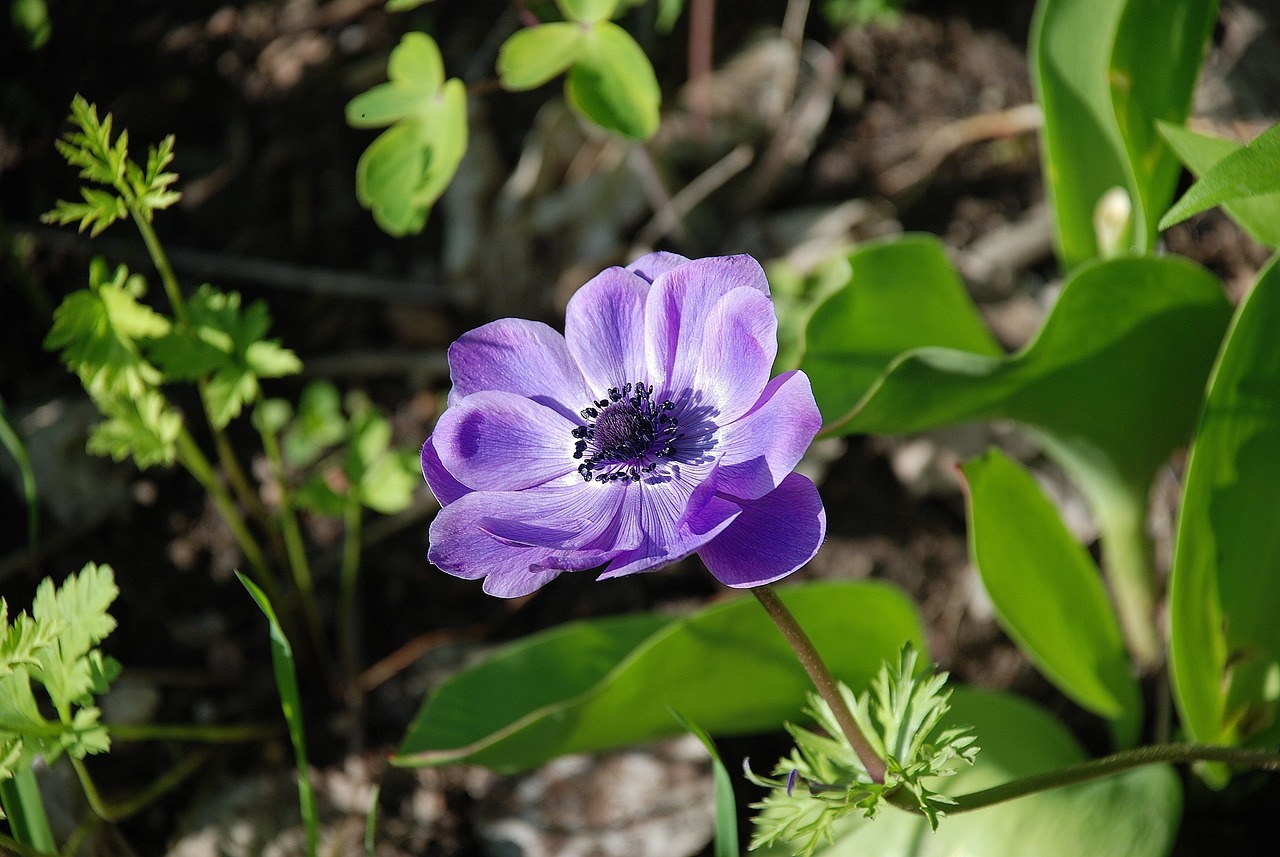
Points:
(625, 435)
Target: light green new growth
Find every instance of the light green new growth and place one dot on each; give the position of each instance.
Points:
(823, 781)
(55, 647)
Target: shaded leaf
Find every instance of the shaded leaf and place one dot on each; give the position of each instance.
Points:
(607, 683)
(613, 84)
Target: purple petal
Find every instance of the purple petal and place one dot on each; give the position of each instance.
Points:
(740, 342)
(762, 447)
(515, 584)
(441, 482)
(523, 357)
(577, 516)
(652, 265)
(773, 536)
(494, 441)
(604, 327)
(677, 518)
(681, 301)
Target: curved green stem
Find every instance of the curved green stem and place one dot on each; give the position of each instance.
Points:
(200, 468)
(232, 734)
(293, 544)
(22, 850)
(119, 811)
(821, 678)
(1267, 760)
(159, 259)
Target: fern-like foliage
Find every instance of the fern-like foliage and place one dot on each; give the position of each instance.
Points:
(823, 781)
(55, 648)
(131, 189)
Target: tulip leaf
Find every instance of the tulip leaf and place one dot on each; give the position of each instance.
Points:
(534, 55)
(902, 293)
(1121, 329)
(1224, 638)
(1247, 173)
(606, 683)
(613, 84)
(1257, 215)
(1135, 814)
(1104, 71)
(1048, 592)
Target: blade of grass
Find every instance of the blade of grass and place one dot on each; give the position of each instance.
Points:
(726, 806)
(371, 822)
(13, 443)
(291, 704)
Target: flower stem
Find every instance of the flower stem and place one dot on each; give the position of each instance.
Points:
(1268, 760)
(821, 678)
(230, 734)
(159, 259)
(347, 592)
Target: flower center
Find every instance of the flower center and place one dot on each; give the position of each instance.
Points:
(625, 435)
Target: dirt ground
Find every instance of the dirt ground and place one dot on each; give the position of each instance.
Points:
(254, 92)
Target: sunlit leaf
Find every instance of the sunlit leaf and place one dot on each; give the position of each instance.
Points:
(1252, 171)
(534, 55)
(613, 84)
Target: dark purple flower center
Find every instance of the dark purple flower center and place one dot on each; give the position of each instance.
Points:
(625, 435)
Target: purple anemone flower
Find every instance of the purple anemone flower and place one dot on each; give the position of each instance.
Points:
(650, 431)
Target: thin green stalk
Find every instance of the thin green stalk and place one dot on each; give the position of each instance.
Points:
(119, 811)
(20, 797)
(294, 547)
(351, 519)
(200, 468)
(21, 849)
(1267, 760)
(232, 734)
(235, 473)
(1126, 554)
(158, 258)
(821, 678)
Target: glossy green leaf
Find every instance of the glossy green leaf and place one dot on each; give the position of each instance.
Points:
(587, 11)
(1134, 814)
(1111, 384)
(613, 85)
(1251, 171)
(1104, 71)
(534, 55)
(607, 683)
(726, 842)
(1224, 590)
(1047, 591)
(1154, 63)
(1257, 215)
(902, 293)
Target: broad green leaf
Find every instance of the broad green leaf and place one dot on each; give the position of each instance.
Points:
(1048, 592)
(31, 19)
(1251, 171)
(101, 331)
(607, 683)
(612, 83)
(726, 842)
(587, 11)
(1104, 71)
(1135, 814)
(1224, 590)
(902, 293)
(534, 55)
(291, 705)
(1111, 384)
(1257, 215)
(1154, 63)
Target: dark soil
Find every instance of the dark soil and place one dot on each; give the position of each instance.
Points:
(254, 92)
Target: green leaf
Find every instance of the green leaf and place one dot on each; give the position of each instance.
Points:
(416, 72)
(145, 428)
(388, 484)
(100, 332)
(1257, 215)
(587, 11)
(1134, 814)
(607, 683)
(1249, 172)
(319, 424)
(726, 842)
(404, 5)
(613, 85)
(291, 704)
(534, 55)
(12, 443)
(1104, 71)
(668, 13)
(901, 293)
(1224, 638)
(1121, 329)
(1048, 592)
(31, 18)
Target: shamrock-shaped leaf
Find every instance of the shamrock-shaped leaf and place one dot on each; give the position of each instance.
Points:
(406, 169)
